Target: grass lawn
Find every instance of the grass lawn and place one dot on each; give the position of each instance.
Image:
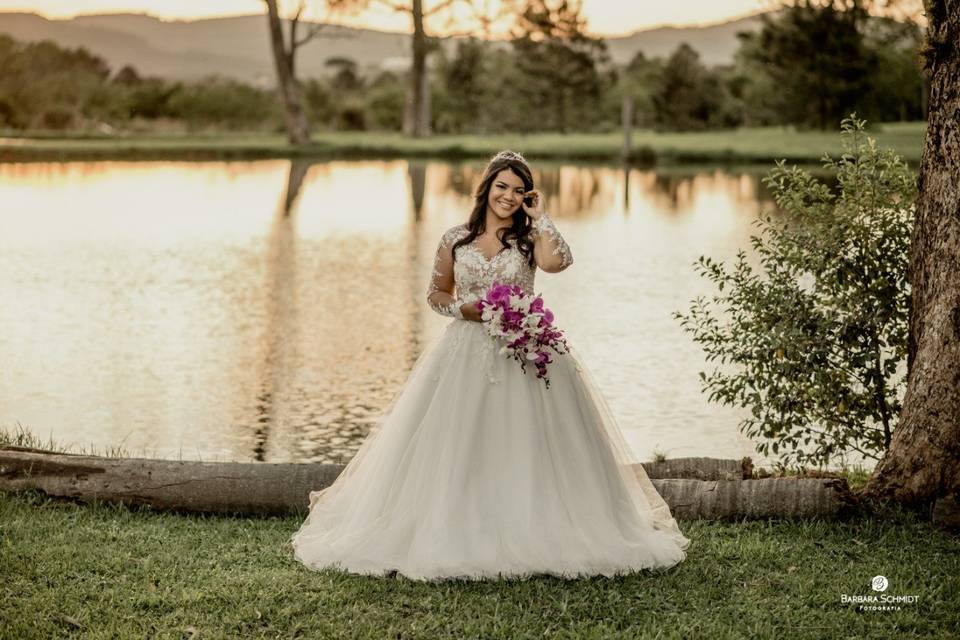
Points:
(748, 145)
(106, 571)
(102, 570)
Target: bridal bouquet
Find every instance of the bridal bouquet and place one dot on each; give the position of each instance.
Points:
(524, 325)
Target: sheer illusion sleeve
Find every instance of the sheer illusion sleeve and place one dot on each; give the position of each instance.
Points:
(550, 249)
(440, 292)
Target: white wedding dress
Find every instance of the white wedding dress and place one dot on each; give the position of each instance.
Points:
(478, 471)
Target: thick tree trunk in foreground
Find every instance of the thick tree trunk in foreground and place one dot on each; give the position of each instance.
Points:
(259, 488)
(298, 131)
(922, 464)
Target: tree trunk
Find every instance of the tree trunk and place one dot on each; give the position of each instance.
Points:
(259, 488)
(922, 464)
(298, 131)
(700, 469)
(417, 114)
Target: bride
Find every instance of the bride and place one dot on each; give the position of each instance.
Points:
(476, 470)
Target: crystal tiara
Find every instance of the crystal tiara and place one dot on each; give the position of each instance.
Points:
(509, 155)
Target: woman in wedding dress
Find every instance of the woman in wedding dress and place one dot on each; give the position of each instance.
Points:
(477, 470)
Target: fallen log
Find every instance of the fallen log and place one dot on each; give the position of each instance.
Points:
(256, 488)
(260, 488)
(700, 468)
(759, 498)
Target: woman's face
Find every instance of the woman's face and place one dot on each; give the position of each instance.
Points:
(506, 194)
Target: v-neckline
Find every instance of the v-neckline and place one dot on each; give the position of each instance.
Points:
(475, 244)
(483, 256)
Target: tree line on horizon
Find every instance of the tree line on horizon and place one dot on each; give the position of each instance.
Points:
(808, 65)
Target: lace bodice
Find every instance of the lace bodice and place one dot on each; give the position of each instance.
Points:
(467, 279)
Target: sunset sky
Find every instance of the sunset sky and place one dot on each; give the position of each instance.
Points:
(608, 17)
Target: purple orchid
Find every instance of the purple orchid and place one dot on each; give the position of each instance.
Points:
(524, 325)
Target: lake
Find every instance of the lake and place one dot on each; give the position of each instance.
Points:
(268, 310)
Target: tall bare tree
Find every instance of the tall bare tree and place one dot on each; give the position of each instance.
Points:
(922, 465)
(416, 121)
(284, 57)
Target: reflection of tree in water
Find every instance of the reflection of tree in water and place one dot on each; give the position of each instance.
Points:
(668, 189)
(298, 171)
(575, 191)
(281, 316)
(326, 418)
(582, 191)
(626, 188)
(463, 179)
(417, 171)
(571, 191)
(676, 191)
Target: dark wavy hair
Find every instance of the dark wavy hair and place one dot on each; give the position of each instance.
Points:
(519, 230)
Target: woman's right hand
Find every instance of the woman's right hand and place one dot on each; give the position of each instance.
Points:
(471, 311)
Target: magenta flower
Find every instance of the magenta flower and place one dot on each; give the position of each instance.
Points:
(499, 295)
(524, 325)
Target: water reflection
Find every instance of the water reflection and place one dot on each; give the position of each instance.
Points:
(270, 310)
(281, 319)
(577, 191)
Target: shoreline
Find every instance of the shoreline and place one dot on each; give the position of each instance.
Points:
(761, 145)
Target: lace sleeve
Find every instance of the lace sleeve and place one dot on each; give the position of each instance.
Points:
(440, 292)
(550, 249)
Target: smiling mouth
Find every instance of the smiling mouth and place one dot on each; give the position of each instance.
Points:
(505, 206)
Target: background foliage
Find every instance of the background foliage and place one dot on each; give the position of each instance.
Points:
(816, 347)
(808, 65)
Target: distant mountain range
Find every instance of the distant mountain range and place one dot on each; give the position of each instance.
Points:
(238, 47)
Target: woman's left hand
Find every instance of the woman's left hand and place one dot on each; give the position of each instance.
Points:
(538, 207)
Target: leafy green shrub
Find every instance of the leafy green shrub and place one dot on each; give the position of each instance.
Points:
(351, 117)
(224, 103)
(817, 342)
(57, 118)
(319, 103)
(149, 98)
(384, 107)
(9, 116)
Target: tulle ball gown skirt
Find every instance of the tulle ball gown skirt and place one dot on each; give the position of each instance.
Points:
(478, 471)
